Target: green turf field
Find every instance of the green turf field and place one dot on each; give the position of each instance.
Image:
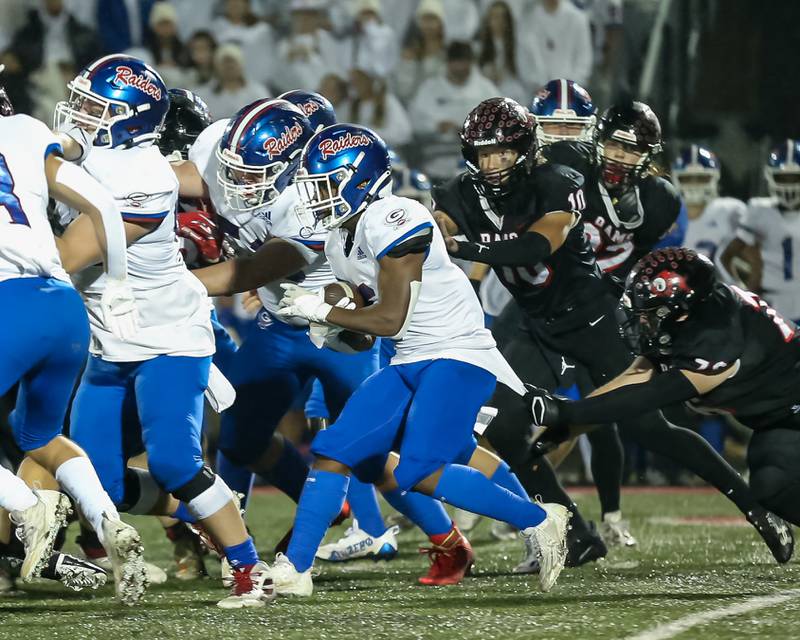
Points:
(677, 570)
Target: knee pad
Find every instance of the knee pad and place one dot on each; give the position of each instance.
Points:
(205, 494)
(172, 469)
(141, 492)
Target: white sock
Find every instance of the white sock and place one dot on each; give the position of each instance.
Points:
(79, 479)
(15, 495)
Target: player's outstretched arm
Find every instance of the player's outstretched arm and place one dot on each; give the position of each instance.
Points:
(744, 262)
(189, 178)
(275, 259)
(74, 187)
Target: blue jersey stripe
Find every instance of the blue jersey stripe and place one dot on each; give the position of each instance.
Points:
(53, 147)
(131, 215)
(405, 236)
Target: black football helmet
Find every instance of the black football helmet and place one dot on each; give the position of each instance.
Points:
(662, 287)
(6, 108)
(505, 123)
(636, 127)
(188, 115)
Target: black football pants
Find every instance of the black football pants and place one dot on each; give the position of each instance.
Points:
(774, 460)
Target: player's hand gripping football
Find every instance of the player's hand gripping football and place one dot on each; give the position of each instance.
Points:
(548, 428)
(302, 303)
(119, 309)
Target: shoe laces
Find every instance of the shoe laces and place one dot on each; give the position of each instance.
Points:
(242, 581)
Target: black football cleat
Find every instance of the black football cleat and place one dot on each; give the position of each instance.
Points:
(775, 532)
(584, 546)
(74, 573)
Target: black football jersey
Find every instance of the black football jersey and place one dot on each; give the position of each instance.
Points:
(735, 325)
(542, 290)
(618, 249)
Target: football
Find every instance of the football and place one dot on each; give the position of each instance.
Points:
(332, 294)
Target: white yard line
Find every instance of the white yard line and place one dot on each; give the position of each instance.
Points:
(672, 629)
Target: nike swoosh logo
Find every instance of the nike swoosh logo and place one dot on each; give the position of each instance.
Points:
(591, 324)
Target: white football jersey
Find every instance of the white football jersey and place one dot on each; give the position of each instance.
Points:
(27, 246)
(250, 229)
(173, 305)
(710, 233)
(778, 234)
(447, 321)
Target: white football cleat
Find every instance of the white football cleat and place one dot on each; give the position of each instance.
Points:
(249, 588)
(614, 531)
(551, 540)
(357, 543)
(155, 574)
(530, 556)
(288, 581)
(465, 520)
(37, 528)
(126, 553)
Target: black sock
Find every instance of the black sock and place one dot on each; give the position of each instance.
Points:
(607, 461)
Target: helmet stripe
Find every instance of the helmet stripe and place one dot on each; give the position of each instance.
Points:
(92, 68)
(246, 118)
(565, 94)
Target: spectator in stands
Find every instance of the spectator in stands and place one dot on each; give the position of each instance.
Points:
(230, 89)
(123, 24)
(423, 53)
(462, 18)
(498, 51)
(169, 54)
(605, 18)
(238, 24)
(372, 45)
(440, 106)
(193, 16)
(555, 42)
(334, 87)
(201, 48)
(374, 106)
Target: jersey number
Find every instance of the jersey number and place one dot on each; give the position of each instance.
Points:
(576, 200)
(787, 330)
(518, 276)
(8, 200)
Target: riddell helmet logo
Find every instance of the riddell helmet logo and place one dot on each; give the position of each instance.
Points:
(332, 146)
(276, 146)
(126, 77)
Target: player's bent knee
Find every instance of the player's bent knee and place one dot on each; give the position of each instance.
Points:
(205, 494)
(172, 469)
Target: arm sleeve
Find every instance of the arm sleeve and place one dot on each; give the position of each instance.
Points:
(528, 249)
(660, 391)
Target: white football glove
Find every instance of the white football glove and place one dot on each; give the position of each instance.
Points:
(83, 138)
(302, 303)
(118, 304)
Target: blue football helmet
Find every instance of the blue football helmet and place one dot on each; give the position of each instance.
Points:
(564, 111)
(316, 107)
(343, 170)
(408, 182)
(259, 153)
(782, 173)
(119, 99)
(695, 173)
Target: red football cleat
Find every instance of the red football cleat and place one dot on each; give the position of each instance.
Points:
(451, 559)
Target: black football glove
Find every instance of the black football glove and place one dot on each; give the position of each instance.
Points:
(548, 428)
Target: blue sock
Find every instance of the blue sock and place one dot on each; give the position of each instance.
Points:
(505, 478)
(289, 473)
(242, 554)
(239, 479)
(425, 512)
(322, 500)
(183, 514)
(469, 489)
(364, 503)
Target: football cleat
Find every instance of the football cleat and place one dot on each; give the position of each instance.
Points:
(37, 528)
(548, 540)
(251, 587)
(775, 532)
(614, 531)
(283, 543)
(585, 547)
(125, 552)
(188, 551)
(530, 557)
(93, 550)
(288, 581)
(357, 543)
(74, 573)
(465, 520)
(450, 561)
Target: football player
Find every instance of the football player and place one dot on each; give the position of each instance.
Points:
(246, 166)
(563, 110)
(45, 337)
(719, 349)
(768, 231)
(524, 221)
(389, 249)
(713, 220)
(148, 391)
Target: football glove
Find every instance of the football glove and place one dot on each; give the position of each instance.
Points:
(118, 305)
(548, 428)
(302, 303)
(202, 236)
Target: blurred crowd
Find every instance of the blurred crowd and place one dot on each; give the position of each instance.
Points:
(408, 69)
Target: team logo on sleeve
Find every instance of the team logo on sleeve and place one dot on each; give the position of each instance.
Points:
(396, 218)
(127, 78)
(276, 146)
(331, 146)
